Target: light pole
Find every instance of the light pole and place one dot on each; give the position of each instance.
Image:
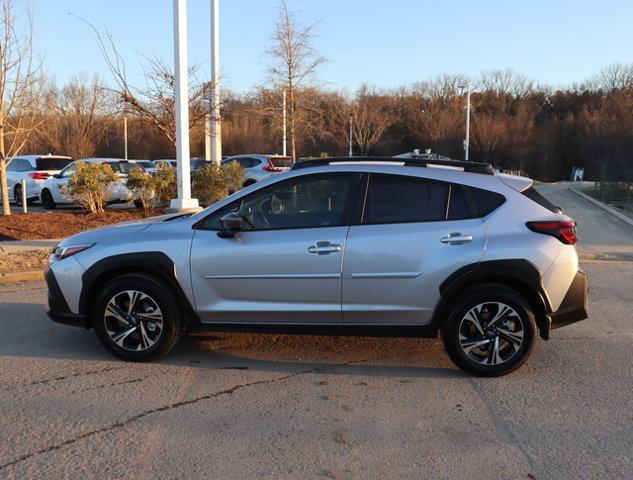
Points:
(184, 200)
(467, 140)
(283, 122)
(214, 100)
(125, 136)
(351, 151)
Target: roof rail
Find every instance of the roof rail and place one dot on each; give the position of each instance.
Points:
(413, 161)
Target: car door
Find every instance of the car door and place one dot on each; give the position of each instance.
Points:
(13, 173)
(410, 238)
(54, 184)
(285, 265)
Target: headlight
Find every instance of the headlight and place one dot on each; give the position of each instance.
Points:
(68, 251)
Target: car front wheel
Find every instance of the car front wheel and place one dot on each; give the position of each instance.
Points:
(136, 317)
(490, 331)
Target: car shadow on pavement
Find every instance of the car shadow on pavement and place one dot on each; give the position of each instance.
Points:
(31, 334)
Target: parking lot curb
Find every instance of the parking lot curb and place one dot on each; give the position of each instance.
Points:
(17, 277)
(626, 219)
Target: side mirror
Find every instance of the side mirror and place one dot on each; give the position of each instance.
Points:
(231, 224)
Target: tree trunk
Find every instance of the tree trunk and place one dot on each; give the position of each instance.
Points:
(6, 207)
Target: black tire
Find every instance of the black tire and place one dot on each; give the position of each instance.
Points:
(17, 196)
(138, 204)
(161, 296)
(485, 360)
(47, 200)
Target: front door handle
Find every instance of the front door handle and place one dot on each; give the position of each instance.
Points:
(323, 248)
(456, 239)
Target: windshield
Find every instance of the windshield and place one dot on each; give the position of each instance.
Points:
(281, 161)
(53, 163)
(145, 163)
(197, 165)
(122, 167)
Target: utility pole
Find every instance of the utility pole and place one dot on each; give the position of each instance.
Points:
(125, 136)
(467, 139)
(184, 200)
(216, 132)
(351, 152)
(283, 122)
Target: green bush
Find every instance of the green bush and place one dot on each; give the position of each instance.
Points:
(213, 182)
(153, 190)
(89, 186)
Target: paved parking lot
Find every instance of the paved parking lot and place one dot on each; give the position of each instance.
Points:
(278, 406)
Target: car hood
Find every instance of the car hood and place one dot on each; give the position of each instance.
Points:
(118, 229)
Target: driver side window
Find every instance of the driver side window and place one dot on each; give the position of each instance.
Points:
(311, 201)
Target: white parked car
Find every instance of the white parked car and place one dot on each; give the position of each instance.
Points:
(35, 169)
(52, 195)
(260, 166)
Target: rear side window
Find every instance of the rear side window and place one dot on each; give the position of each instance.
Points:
(535, 196)
(19, 165)
(457, 205)
(400, 199)
(486, 201)
(52, 163)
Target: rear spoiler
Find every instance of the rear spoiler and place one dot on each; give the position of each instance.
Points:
(520, 184)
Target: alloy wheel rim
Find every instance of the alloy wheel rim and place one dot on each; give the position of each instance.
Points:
(491, 333)
(133, 320)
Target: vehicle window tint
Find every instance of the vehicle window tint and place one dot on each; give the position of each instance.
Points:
(52, 163)
(313, 201)
(399, 199)
(20, 165)
(247, 162)
(458, 207)
(535, 196)
(284, 162)
(486, 200)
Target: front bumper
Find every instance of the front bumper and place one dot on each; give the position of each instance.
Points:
(57, 308)
(574, 305)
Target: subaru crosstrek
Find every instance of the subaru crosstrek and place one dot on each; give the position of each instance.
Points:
(360, 246)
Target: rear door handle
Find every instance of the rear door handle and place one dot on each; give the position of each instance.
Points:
(323, 248)
(456, 239)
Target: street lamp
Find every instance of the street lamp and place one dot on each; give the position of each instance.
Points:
(467, 140)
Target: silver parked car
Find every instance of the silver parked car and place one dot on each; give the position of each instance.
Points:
(370, 246)
(260, 166)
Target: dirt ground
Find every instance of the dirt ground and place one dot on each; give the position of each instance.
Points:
(61, 224)
(23, 261)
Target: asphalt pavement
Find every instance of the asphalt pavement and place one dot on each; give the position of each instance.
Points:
(298, 407)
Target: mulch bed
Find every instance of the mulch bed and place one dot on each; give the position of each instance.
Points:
(23, 261)
(61, 224)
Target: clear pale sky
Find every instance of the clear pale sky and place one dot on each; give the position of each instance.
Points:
(386, 43)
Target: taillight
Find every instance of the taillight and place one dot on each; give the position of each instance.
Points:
(564, 231)
(272, 168)
(39, 175)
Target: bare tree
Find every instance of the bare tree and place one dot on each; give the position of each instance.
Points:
(154, 99)
(80, 114)
(20, 87)
(294, 65)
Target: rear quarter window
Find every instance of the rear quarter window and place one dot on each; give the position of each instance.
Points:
(486, 201)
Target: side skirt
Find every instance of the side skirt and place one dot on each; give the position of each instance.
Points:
(417, 331)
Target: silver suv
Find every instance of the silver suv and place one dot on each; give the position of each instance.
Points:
(358, 246)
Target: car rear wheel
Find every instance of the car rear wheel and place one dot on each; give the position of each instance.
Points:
(17, 196)
(490, 332)
(137, 318)
(47, 200)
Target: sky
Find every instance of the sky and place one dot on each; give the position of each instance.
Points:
(383, 43)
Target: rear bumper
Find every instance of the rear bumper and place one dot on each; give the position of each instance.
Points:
(574, 305)
(57, 308)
